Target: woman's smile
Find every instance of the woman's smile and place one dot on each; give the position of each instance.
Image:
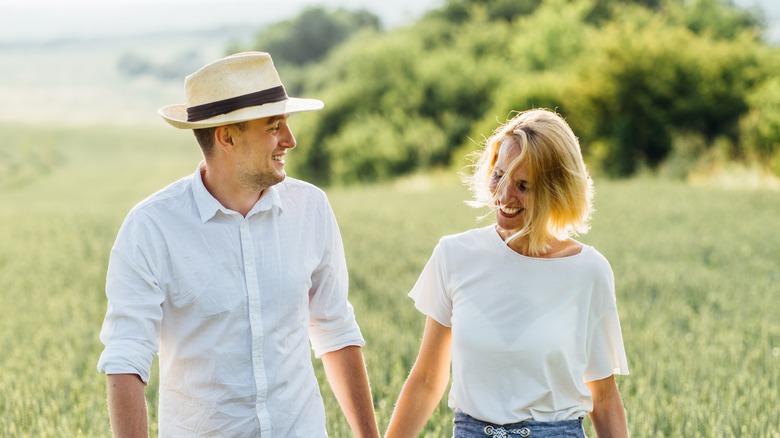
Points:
(508, 212)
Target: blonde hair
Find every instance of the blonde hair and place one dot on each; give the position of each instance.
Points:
(561, 191)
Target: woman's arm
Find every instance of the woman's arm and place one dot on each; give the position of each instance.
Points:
(608, 416)
(426, 383)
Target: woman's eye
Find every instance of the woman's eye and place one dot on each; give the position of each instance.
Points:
(523, 187)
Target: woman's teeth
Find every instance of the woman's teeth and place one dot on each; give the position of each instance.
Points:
(510, 211)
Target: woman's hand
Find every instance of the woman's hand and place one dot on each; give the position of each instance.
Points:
(426, 383)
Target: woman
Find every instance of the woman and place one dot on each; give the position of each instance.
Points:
(525, 314)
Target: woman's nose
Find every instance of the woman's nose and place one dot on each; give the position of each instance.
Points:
(507, 193)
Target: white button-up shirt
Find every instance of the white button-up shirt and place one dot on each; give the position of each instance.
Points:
(230, 304)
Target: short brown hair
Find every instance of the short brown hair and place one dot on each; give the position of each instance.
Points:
(205, 137)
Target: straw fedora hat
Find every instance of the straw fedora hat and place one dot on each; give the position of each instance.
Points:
(241, 87)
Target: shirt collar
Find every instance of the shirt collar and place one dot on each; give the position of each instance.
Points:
(208, 205)
(271, 200)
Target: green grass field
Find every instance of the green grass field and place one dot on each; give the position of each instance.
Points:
(697, 272)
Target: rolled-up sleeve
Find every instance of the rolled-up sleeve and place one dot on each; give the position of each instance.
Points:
(131, 326)
(332, 324)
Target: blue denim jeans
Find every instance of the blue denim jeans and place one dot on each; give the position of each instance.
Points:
(468, 427)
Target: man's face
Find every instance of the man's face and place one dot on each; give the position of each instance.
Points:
(260, 151)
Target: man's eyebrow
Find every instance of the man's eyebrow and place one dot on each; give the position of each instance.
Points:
(275, 119)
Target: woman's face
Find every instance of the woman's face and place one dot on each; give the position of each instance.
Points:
(511, 197)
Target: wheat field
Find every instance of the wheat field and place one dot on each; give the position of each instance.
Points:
(697, 272)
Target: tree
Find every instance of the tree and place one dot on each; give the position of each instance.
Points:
(310, 36)
(649, 79)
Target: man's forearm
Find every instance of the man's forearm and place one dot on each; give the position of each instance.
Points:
(347, 376)
(127, 405)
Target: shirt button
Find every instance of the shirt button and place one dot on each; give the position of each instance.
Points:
(525, 432)
(255, 316)
(250, 269)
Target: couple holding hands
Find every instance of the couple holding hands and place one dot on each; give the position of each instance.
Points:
(232, 274)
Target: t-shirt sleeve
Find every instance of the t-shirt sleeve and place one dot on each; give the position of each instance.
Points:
(430, 293)
(605, 349)
(606, 353)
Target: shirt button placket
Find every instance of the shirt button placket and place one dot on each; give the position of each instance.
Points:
(255, 324)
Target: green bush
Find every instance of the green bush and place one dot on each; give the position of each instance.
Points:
(718, 19)
(633, 79)
(371, 76)
(647, 80)
(372, 148)
(425, 97)
(459, 11)
(552, 37)
(760, 128)
(312, 34)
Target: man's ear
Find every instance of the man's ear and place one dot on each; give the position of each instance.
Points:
(223, 137)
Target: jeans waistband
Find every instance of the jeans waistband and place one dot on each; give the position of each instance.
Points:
(522, 429)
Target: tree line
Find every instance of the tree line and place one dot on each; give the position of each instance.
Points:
(647, 85)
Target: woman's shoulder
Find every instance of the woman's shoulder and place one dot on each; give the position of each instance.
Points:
(593, 255)
(470, 238)
(593, 262)
(474, 244)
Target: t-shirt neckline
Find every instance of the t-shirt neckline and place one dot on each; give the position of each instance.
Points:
(507, 248)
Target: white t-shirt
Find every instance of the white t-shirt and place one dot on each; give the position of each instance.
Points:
(527, 333)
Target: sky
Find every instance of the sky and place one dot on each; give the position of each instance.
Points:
(46, 20)
(59, 57)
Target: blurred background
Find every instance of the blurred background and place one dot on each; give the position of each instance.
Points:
(681, 87)
(676, 104)
(94, 61)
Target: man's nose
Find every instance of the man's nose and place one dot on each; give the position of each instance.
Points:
(288, 139)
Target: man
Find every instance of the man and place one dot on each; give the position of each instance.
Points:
(228, 275)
